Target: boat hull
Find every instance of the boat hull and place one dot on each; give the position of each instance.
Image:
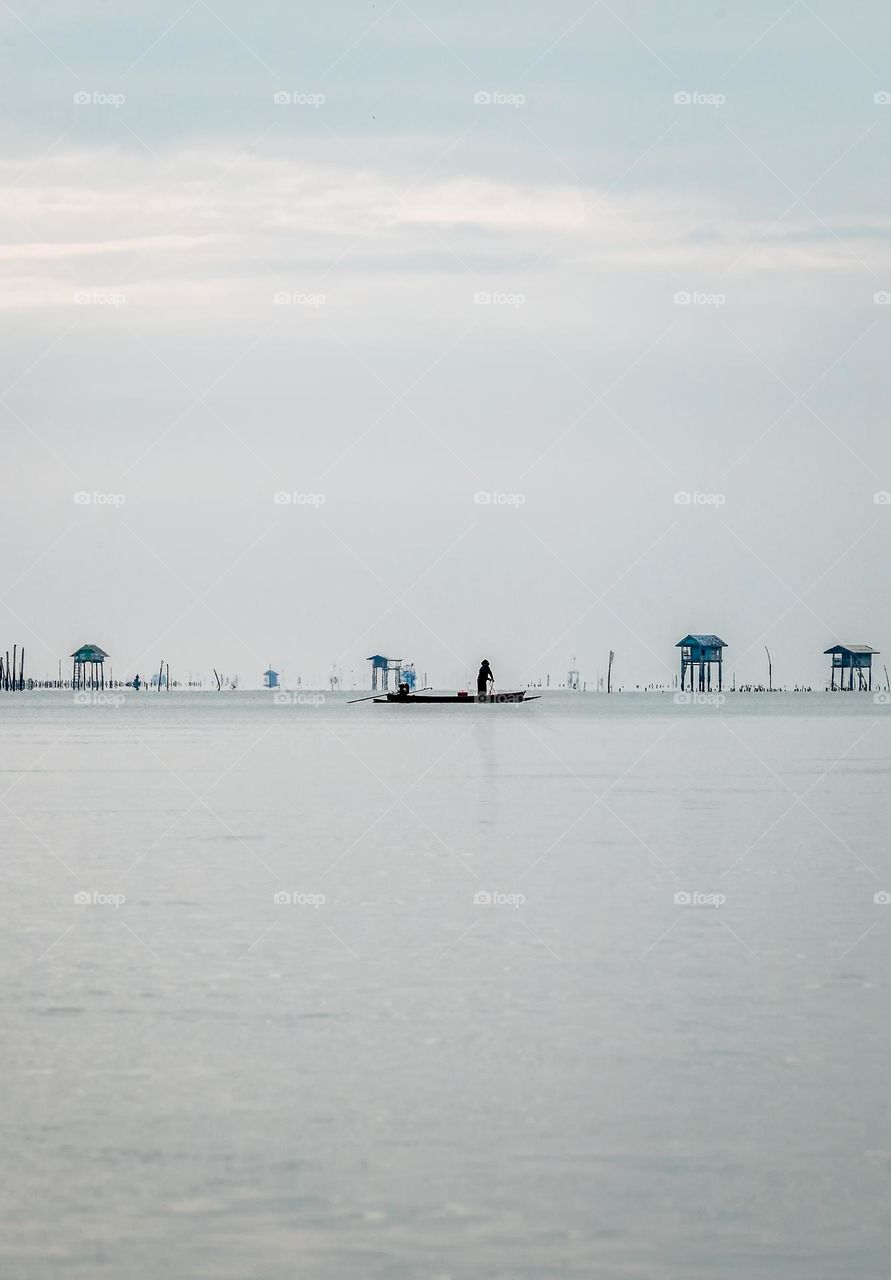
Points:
(424, 699)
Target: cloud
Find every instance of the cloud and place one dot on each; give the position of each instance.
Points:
(220, 222)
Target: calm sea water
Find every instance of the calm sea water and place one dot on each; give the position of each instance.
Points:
(481, 1036)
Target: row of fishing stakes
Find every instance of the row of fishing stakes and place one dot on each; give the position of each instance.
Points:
(10, 677)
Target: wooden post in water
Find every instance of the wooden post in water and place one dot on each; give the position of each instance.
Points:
(769, 671)
(609, 672)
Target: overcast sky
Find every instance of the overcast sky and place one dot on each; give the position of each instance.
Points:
(244, 249)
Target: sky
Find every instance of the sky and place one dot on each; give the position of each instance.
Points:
(444, 331)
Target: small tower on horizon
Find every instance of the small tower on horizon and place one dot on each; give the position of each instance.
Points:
(270, 679)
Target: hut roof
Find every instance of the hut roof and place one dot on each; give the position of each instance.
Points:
(851, 648)
(714, 642)
(89, 653)
(270, 672)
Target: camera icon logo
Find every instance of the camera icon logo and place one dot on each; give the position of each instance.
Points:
(882, 699)
(682, 498)
(682, 298)
(83, 899)
(882, 898)
(882, 98)
(482, 899)
(482, 98)
(882, 298)
(682, 98)
(683, 898)
(282, 898)
(882, 498)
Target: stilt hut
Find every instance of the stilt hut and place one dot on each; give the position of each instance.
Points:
(88, 671)
(851, 658)
(701, 653)
(380, 671)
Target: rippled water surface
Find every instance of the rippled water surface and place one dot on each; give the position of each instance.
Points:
(476, 1035)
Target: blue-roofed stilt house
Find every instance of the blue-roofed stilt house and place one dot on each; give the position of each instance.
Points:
(380, 671)
(702, 653)
(270, 679)
(850, 658)
(88, 670)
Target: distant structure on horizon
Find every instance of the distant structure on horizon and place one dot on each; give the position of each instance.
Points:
(270, 679)
(380, 671)
(851, 658)
(88, 671)
(703, 652)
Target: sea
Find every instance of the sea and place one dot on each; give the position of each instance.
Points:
(592, 986)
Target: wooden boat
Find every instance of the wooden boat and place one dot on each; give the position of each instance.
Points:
(459, 699)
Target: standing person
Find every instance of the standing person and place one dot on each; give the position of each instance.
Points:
(484, 679)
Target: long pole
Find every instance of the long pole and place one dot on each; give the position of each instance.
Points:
(377, 695)
(609, 672)
(769, 671)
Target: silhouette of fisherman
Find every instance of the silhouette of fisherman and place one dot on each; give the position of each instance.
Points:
(484, 679)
